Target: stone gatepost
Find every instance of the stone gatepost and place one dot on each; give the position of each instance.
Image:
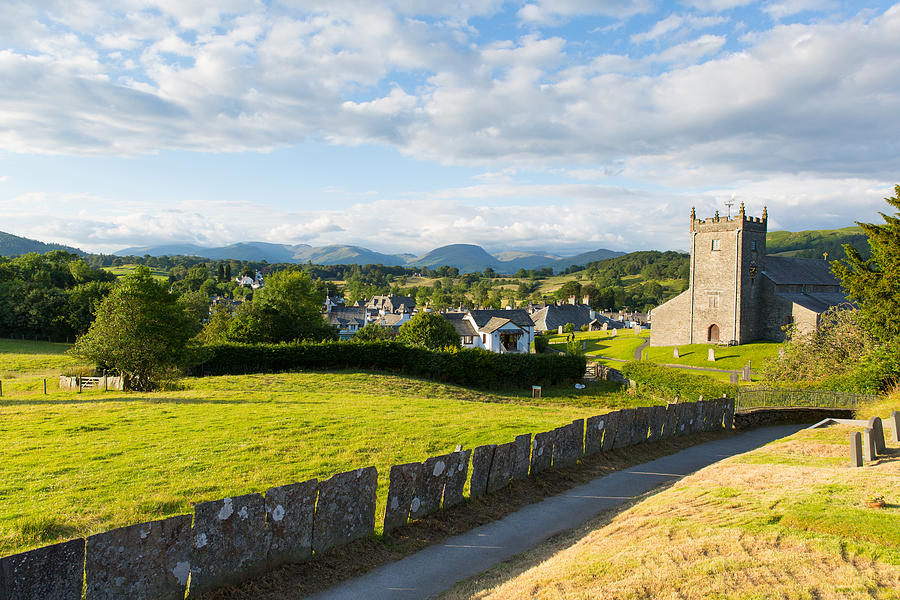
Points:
(856, 454)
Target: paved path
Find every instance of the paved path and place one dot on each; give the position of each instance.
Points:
(437, 568)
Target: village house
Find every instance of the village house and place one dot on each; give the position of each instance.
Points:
(500, 331)
(391, 304)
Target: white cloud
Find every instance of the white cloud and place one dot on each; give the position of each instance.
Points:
(556, 11)
(4, 178)
(780, 10)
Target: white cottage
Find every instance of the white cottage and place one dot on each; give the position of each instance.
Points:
(499, 331)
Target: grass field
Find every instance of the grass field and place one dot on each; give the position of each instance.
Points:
(76, 464)
(122, 270)
(603, 343)
(785, 521)
(727, 357)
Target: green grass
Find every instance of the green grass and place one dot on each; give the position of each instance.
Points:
(25, 364)
(604, 344)
(122, 270)
(727, 357)
(76, 464)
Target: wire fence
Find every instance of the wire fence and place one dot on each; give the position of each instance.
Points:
(764, 397)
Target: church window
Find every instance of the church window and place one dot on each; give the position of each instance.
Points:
(753, 244)
(717, 244)
(713, 300)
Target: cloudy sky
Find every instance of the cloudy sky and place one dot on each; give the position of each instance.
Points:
(403, 125)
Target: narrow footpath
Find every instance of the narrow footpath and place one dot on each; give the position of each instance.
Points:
(437, 568)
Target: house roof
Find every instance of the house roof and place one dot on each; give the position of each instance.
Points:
(798, 271)
(390, 319)
(347, 315)
(554, 316)
(818, 302)
(462, 326)
(518, 316)
(393, 301)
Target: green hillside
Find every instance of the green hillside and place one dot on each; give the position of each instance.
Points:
(13, 245)
(812, 243)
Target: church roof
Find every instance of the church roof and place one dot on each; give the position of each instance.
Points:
(818, 302)
(799, 271)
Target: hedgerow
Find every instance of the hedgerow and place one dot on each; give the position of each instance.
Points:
(463, 366)
(667, 382)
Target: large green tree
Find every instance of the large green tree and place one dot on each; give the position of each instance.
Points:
(286, 308)
(429, 330)
(874, 283)
(141, 331)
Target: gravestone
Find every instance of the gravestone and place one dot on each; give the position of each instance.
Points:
(868, 444)
(878, 433)
(734, 378)
(289, 516)
(593, 434)
(523, 456)
(401, 491)
(501, 467)
(560, 330)
(615, 332)
(457, 474)
(481, 469)
(610, 429)
(657, 421)
(668, 429)
(542, 451)
(711, 355)
(641, 425)
(430, 487)
(346, 508)
(624, 428)
(55, 572)
(745, 373)
(675, 352)
(895, 426)
(856, 453)
(150, 561)
(228, 542)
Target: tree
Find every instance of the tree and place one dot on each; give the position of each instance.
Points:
(140, 330)
(287, 308)
(429, 330)
(372, 332)
(874, 283)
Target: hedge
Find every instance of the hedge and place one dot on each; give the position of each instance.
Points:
(666, 381)
(465, 366)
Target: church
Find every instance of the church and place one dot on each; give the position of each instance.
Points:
(737, 294)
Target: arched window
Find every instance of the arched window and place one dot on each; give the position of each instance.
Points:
(712, 334)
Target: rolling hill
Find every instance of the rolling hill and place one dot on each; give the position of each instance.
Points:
(13, 245)
(812, 243)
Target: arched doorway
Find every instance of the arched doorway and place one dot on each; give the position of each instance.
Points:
(712, 334)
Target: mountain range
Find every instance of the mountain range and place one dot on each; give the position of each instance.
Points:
(465, 257)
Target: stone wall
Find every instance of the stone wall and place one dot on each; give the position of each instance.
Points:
(226, 541)
(764, 417)
(101, 383)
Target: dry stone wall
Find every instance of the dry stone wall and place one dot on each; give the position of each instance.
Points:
(232, 539)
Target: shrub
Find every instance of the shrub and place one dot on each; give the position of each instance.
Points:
(569, 328)
(667, 382)
(464, 366)
(584, 327)
(541, 343)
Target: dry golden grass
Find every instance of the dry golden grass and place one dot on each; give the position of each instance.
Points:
(744, 528)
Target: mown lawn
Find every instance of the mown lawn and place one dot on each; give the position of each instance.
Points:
(604, 344)
(727, 357)
(122, 270)
(76, 464)
(788, 520)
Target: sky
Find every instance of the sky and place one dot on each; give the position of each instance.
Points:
(401, 125)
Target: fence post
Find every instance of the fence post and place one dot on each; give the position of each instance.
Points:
(1, 389)
(45, 386)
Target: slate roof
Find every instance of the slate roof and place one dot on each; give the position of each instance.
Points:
(518, 316)
(817, 302)
(391, 302)
(347, 315)
(462, 326)
(552, 317)
(798, 271)
(390, 320)
(496, 323)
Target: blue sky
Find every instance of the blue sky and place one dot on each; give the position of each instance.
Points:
(563, 125)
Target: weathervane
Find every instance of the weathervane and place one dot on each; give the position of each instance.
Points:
(729, 204)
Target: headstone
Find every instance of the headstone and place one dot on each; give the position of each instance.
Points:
(523, 456)
(856, 453)
(401, 491)
(868, 444)
(542, 451)
(657, 421)
(346, 508)
(228, 542)
(611, 422)
(675, 352)
(501, 467)
(745, 373)
(289, 516)
(878, 432)
(624, 428)
(734, 378)
(593, 434)
(728, 422)
(560, 330)
(150, 561)
(457, 474)
(55, 572)
(641, 425)
(668, 429)
(615, 332)
(584, 345)
(895, 426)
(430, 487)
(711, 355)
(481, 469)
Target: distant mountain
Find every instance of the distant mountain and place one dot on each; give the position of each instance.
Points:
(13, 245)
(348, 255)
(585, 258)
(813, 243)
(465, 257)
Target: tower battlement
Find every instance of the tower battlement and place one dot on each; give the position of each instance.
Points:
(738, 222)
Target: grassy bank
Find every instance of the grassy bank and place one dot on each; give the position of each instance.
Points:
(785, 521)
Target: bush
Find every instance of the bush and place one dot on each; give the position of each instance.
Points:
(569, 328)
(541, 343)
(584, 327)
(467, 366)
(665, 381)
